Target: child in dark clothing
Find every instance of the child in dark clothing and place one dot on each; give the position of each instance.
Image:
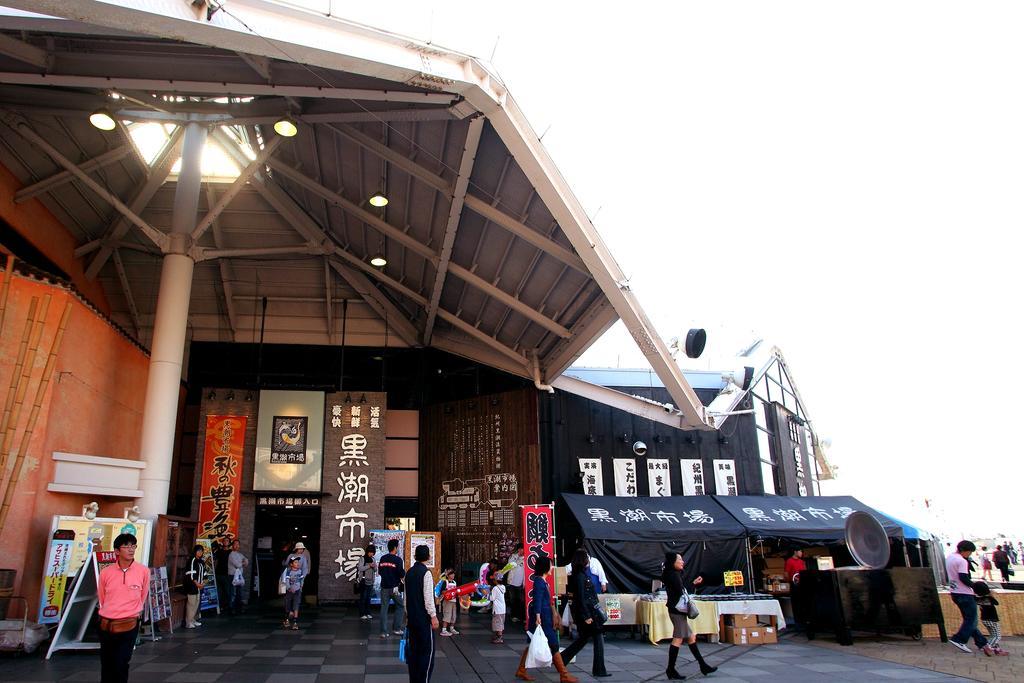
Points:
(989, 616)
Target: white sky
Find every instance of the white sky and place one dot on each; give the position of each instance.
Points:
(842, 177)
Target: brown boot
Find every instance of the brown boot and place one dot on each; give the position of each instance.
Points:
(564, 675)
(521, 671)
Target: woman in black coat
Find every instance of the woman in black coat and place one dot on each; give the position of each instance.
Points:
(672, 578)
(586, 613)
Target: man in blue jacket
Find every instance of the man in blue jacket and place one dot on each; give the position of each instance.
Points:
(392, 571)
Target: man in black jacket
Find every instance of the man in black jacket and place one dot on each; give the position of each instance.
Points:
(1001, 559)
(419, 644)
(392, 571)
(195, 577)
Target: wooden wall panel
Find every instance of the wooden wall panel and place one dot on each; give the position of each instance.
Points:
(480, 460)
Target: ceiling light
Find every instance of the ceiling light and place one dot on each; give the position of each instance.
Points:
(286, 127)
(103, 119)
(379, 261)
(378, 199)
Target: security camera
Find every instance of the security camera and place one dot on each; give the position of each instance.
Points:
(668, 407)
(640, 448)
(741, 377)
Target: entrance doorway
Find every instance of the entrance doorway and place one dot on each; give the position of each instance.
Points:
(276, 531)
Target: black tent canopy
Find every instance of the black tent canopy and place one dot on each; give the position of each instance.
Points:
(810, 519)
(631, 536)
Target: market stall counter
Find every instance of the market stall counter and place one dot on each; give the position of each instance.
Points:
(652, 615)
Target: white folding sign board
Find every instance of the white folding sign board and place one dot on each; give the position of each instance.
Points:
(725, 478)
(625, 477)
(693, 477)
(659, 482)
(593, 479)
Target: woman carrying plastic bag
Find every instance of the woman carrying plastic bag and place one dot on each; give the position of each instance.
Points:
(543, 636)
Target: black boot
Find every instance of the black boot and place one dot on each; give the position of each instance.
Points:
(705, 668)
(670, 672)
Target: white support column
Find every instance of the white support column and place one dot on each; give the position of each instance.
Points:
(165, 365)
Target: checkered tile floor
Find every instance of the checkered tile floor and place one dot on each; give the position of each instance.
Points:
(335, 645)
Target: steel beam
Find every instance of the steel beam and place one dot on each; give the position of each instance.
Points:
(586, 331)
(57, 179)
(469, 149)
(224, 267)
(354, 210)
(236, 187)
(394, 317)
(185, 87)
(634, 405)
(399, 160)
(20, 126)
(329, 303)
(161, 168)
(122, 275)
(208, 254)
(23, 52)
(504, 297)
(526, 233)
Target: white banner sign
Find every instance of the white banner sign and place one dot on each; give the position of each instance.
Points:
(625, 477)
(693, 477)
(593, 479)
(659, 483)
(725, 478)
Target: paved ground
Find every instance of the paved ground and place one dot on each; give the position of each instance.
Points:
(937, 656)
(334, 645)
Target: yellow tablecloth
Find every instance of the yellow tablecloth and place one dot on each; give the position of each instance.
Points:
(654, 616)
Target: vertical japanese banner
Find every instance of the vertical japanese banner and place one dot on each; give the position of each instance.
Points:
(725, 477)
(538, 541)
(693, 477)
(220, 498)
(355, 432)
(659, 483)
(51, 599)
(625, 477)
(593, 479)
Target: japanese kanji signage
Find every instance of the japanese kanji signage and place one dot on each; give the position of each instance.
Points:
(652, 518)
(693, 477)
(220, 490)
(659, 483)
(290, 431)
(725, 478)
(288, 440)
(538, 541)
(479, 460)
(354, 474)
(810, 518)
(593, 479)
(55, 577)
(625, 476)
(732, 578)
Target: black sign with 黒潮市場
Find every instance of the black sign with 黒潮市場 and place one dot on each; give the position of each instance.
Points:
(658, 518)
(819, 519)
(288, 440)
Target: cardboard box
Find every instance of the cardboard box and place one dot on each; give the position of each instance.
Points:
(755, 636)
(736, 636)
(741, 620)
(769, 636)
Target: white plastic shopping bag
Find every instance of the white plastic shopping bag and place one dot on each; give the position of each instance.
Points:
(539, 654)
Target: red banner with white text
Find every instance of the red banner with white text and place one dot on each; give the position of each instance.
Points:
(220, 493)
(538, 541)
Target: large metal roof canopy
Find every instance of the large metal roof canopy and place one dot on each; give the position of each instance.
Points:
(489, 254)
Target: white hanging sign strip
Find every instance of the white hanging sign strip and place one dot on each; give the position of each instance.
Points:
(725, 478)
(593, 479)
(693, 477)
(625, 477)
(659, 482)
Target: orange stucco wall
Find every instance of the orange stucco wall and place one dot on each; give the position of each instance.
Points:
(92, 406)
(35, 223)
